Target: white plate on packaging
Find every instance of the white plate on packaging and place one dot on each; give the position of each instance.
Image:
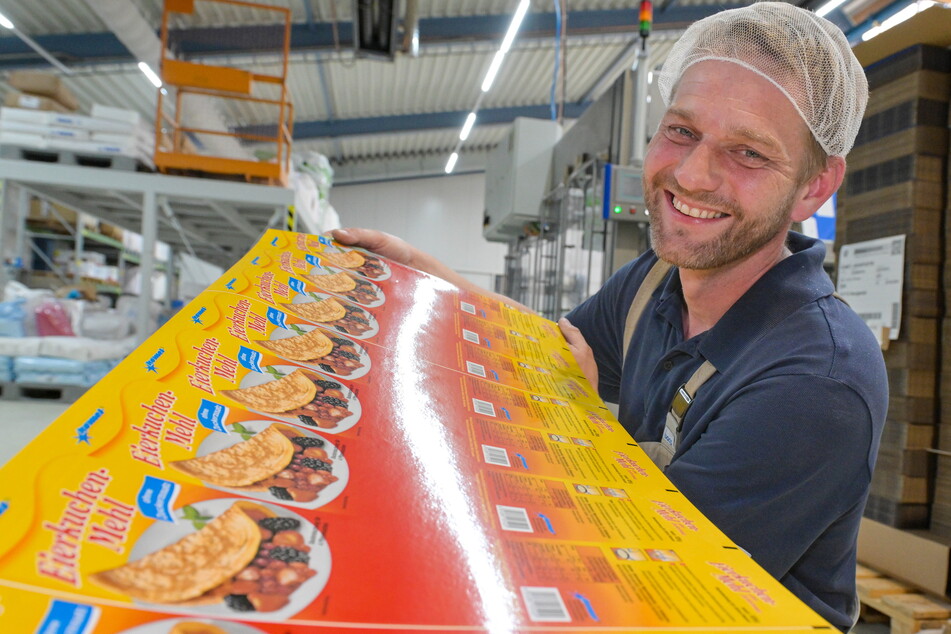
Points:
(353, 405)
(339, 467)
(361, 352)
(161, 534)
(313, 296)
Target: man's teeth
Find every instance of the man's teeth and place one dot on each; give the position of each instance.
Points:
(694, 212)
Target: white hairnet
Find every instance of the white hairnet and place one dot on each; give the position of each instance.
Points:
(807, 57)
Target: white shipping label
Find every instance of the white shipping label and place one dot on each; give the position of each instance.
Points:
(870, 280)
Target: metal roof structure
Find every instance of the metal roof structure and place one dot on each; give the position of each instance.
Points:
(376, 118)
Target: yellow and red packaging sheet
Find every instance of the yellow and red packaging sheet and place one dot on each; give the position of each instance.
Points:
(327, 440)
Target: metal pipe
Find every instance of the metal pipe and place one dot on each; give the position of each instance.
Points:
(639, 129)
(42, 51)
(146, 264)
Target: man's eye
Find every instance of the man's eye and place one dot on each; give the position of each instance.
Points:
(681, 132)
(752, 154)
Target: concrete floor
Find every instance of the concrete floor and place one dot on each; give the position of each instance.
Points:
(21, 421)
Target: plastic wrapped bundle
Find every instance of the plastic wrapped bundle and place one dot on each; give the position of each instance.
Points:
(12, 316)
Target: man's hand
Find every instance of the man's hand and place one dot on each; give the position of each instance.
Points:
(581, 351)
(399, 250)
(389, 246)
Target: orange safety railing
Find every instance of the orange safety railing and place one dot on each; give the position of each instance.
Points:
(225, 87)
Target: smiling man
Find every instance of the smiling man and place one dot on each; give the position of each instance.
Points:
(734, 365)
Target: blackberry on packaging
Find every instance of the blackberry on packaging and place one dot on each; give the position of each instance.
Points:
(315, 463)
(288, 555)
(239, 603)
(276, 524)
(280, 493)
(307, 441)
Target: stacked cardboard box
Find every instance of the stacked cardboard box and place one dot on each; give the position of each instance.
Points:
(941, 508)
(108, 132)
(896, 185)
(37, 90)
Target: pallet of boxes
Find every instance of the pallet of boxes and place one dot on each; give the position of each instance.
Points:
(896, 185)
(39, 121)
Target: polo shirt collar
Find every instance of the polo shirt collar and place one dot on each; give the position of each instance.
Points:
(794, 282)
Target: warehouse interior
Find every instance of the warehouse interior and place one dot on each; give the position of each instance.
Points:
(146, 145)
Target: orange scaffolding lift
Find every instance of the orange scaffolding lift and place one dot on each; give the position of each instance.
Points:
(176, 148)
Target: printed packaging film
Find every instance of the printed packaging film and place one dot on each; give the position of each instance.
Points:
(327, 439)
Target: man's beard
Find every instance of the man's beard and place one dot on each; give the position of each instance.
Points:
(747, 232)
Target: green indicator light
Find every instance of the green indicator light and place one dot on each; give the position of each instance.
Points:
(617, 209)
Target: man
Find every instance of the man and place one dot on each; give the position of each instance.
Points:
(777, 444)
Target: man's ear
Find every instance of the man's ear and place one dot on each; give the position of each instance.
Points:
(820, 188)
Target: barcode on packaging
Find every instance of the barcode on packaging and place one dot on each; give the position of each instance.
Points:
(475, 368)
(467, 308)
(514, 518)
(470, 336)
(545, 605)
(483, 407)
(496, 455)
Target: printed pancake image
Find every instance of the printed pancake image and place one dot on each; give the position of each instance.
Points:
(289, 392)
(314, 400)
(243, 464)
(280, 460)
(364, 264)
(323, 311)
(222, 562)
(307, 347)
(336, 355)
(335, 283)
(346, 318)
(357, 290)
(192, 566)
(345, 260)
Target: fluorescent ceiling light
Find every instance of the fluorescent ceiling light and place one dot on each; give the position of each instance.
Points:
(896, 19)
(451, 163)
(5, 22)
(513, 27)
(506, 45)
(467, 127)
(493, 71)
(828, 7)
(150, 74)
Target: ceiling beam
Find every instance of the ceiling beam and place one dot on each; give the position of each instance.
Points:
(105, 47)
(409, 122)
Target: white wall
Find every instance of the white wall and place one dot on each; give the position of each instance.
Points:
(442, 216)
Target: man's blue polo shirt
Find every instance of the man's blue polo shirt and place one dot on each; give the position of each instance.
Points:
(779, 445)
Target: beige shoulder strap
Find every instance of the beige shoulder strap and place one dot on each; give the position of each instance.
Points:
(663, 450)
(654, 277)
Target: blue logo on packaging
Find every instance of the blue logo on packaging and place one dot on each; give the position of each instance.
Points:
(274, 241)
(312, 259)
(212, 415)
(296, 284)
(251, 359)
(4, 505)
(255, 260)
(150, 364)
(196, 318)
(64, 617)
(230, 284)
(276, 317)
(324, 240)
(155, 498)
(82, 432)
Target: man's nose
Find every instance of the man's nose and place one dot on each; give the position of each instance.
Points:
(698, 170)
